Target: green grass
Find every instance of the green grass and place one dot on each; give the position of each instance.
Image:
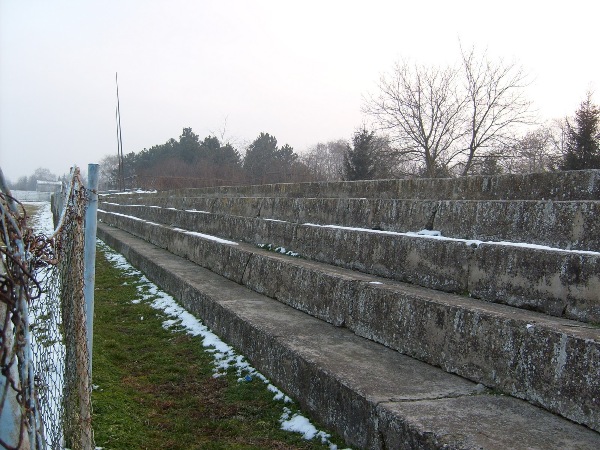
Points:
(155, 387)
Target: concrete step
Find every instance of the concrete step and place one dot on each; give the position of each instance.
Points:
(548, 361)
(571, 185)
(372, 395)
(552, 281)
(571, 225)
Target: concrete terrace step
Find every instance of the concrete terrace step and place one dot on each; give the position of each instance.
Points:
(572, 185)
(548, 361)
(556, 282)
(572, 225)
(372, 395)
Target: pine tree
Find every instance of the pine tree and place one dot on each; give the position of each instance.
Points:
(583, 138)
(360, 159)
(266, 162)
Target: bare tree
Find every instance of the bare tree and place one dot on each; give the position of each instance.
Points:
(534, 152)
(420, 109)
(495, 103)
(109, 170)
(326, 160)
(444, 118)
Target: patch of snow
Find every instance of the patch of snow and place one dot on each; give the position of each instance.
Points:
(137, 191)
(131, 217)
(300, 424)
(42, 221)
(429, 233)
(206, 236)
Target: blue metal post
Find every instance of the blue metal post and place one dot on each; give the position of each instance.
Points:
(89, 271)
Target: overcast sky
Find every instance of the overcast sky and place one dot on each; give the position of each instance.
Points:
(297, 70)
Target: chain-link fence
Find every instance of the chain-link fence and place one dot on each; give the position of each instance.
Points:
(45, 397)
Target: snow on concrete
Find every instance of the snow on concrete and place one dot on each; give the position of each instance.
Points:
(434, 234)
(137, 191)
(209, 237)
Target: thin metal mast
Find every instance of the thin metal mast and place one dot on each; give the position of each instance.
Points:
(121, 172)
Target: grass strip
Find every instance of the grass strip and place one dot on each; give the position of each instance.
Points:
(154, 387)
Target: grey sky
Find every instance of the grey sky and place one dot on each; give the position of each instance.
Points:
(297, 70)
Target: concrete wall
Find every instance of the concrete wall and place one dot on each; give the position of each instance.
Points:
(541, 359)
(569, 225)
(32, 196)
(571, 185)
(560, 283)
(518, 318)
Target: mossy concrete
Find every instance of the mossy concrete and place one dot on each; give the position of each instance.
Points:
(570, 185)
(548, 361)
(561, 283)
(372, 395)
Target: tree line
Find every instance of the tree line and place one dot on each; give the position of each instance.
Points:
(424, 120)
(29, 183)
(191, 162)
(466, 119)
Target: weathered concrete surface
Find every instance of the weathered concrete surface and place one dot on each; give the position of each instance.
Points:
(428, 262)
(562, 224)
(493, 422)
(572, 185)
(373, 396)
(548, 361)
(544, 360)
(561, 283)
(567, 225)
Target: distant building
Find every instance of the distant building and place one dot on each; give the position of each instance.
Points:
(48, 186)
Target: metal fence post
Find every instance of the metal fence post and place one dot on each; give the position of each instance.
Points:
(89, 271)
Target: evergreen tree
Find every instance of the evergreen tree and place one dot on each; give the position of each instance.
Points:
(212, 150)
(360, 159)
(188, 147)
(229, 155)
(583, 138)
(265, 161)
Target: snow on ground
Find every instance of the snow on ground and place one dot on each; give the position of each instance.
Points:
(42, 220)
(224, 355)
(47, 347)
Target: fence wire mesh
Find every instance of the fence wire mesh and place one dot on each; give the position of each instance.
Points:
(45, 359)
